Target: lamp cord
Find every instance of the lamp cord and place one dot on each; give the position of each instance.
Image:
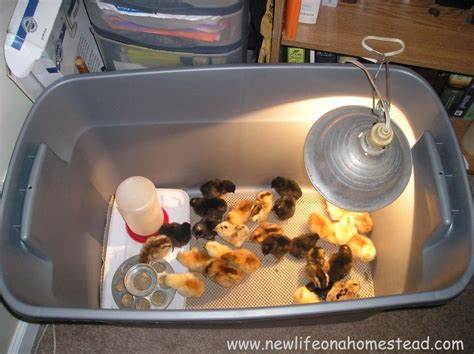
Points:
(374, 86)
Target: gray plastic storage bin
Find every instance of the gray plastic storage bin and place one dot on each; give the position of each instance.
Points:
(184, 126)
(120, 56)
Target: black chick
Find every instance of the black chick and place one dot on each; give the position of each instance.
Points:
(317, 268)
(204, 228)
(215, 188)
(180, 234)
(214, 208)
(301, 245)
(322, 293)
(284, 207)
(277, 245)
(287, 187)
(340, 263)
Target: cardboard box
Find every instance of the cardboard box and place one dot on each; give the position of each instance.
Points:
(43, 40)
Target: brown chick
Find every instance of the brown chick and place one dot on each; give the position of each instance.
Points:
(155, 247)
(287, 187)
(187, 284)
(240, 213)
(223, 274)
(301, 245)
(322, 293)
(193, 259)
(262, 231)
(242, 259)
(215, 249)
(317, 256)
(216, 188)
(285, 207)
(343, 290)
(362, 247)
(317, 268)
(262, 207)
(322, 226)
(304, 296)
(277, 245)
(236, 235)
(340, 263)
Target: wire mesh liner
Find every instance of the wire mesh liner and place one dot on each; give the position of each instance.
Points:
(276, 280)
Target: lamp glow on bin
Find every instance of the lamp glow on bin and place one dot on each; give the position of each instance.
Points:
(139, 205)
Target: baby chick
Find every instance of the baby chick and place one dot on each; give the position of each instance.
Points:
(216, 250)
(322, 293)
(240, 213)
(262, 231)
(317, 256)
(180, 234)
(236, 235)
(155, 247)
(337, 233)
(304, 296)
(284, 207)
(187, 284)
(193, 259)
(362, 247)
(242, 259)
(287, 187)
(223, 274)
(317, 268)
(344, 229)
(343, 290)
(277, 245)
(213, 207)
(321, 225)
(262, 207)
(362, 221)
(301, 245)
(204, 228)
(216, 188)
(340, 263)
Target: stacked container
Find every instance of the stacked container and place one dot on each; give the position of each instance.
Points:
(145, 33)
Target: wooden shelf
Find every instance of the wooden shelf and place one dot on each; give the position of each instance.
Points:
(445, 42)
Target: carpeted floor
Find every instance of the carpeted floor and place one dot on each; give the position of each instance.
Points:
(453, 321)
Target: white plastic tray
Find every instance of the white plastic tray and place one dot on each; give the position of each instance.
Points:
(120, 246)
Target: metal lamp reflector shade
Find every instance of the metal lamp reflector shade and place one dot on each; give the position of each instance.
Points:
(347, 170)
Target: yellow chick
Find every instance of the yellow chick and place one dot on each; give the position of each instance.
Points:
(193, 259)
(215, 249)
(187, 284)
(240, 213)
(362, 247)
(304, 296)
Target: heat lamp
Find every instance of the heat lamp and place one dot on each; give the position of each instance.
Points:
(355, 156)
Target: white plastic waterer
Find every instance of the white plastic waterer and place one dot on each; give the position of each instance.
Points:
(140, 206)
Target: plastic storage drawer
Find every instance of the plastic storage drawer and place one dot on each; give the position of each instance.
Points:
(184, 27)
(121, 56)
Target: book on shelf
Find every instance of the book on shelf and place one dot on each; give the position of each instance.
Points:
(454, 91)
(465, 109)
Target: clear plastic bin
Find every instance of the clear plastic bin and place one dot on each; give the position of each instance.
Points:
(179, 28)
(121, 56)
